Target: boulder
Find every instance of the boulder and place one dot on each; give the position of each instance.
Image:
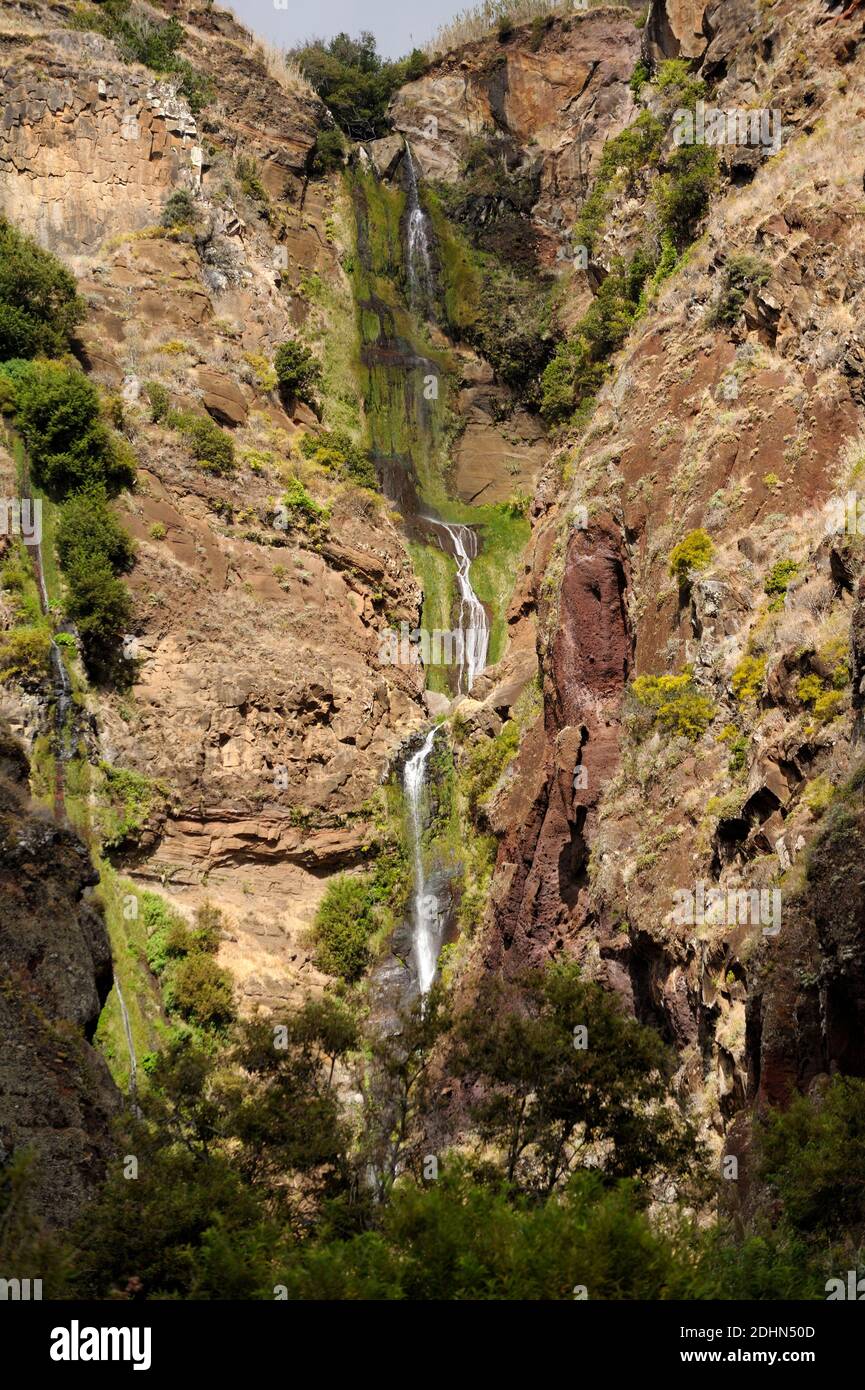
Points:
(222, 398)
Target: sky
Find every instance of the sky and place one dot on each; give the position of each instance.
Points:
(399, 25)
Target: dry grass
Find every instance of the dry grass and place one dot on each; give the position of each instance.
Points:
(285, 70)
(481, 19)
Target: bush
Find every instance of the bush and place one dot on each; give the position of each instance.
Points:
(160, 401)
(179, 209)
(335, 451)
(212, 448)
(25, 657)
(139, 39)
(778, 581)
(101, 608)
(302, 508)
(89, 535)
(741, 274)
(675, 704)
(39, 303)
(684, 191)
(747, 679)
(579, 365)
(71, 448)
(129, 799)
(298, 371)
(328, 152)
(344, 923)
(200, 991)
(486, 762)
(693, 553)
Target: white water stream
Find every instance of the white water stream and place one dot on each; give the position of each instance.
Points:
(418, 260)
(425, 907)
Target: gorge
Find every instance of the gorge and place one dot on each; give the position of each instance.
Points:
(449, 565)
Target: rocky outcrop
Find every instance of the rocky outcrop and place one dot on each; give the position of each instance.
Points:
(675, 29)
(56, 1096)
(556, 99)
(548, 815)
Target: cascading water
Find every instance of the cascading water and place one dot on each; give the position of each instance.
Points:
(473, 623)
(426, 913)
(418, 258)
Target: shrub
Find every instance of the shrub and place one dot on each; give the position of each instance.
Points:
(140, 39)
(212, 448)
(675, 704)
(355, 82)
(741, 274)
(335, 451)
(129, 798)
(71, 448)
(778, 580)
(579, 365)
(302, 508)
(684, 191)
(179, 209)
(39, 303)
(90, 536)
(298, 371)
(101, 608)
(627, 155)
(328, 153)
(25, 657)
(693, 553)
(486, 762)
(344, 923)
(160, 401)
(200, 991)
(747, 679)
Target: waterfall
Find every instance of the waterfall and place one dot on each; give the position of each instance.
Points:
(474, 628)
(418, 261)
(133, 1064)
(425, 908)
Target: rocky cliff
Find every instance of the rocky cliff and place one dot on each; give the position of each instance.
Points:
(730, 411)
(753, 431)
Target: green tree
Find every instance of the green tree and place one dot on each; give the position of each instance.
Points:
(298, 371)
(71, 448)
(555, 1098)
(39, 302)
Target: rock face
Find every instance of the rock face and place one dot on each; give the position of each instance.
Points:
(56, 1096)
(260, 701)
(674, 29)
(595, 870)
(90, 147)
(558, 99)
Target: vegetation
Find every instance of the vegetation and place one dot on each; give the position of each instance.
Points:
(580, 364)
(298, 371)
(127, 799)
(741, 274)
(674, 704)
(354, 80)
(71, 447)
(212, 448)
(25, 657)
(344, 923)
(778, 581)
(336, 452)
(140, 38)
(693, 553)
(39, 302)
